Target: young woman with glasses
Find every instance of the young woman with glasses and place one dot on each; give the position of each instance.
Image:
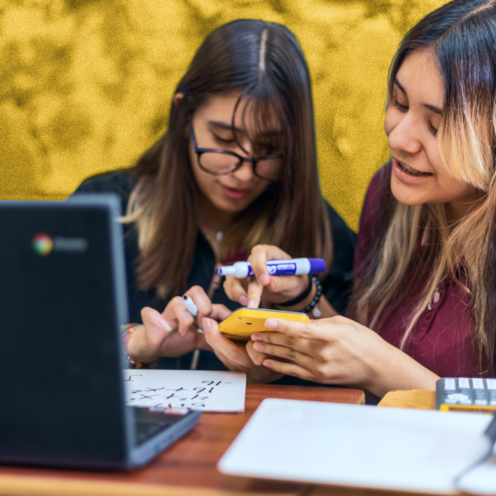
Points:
(236, 168)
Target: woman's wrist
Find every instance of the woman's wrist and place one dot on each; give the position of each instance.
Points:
(297, 307)
(398, 371)
(135, 351)
(302, 295)
(312, 306)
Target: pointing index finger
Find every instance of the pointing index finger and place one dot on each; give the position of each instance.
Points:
(258, 261)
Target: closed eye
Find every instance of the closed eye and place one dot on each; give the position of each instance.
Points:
(432, 129)
(268, 149)
(402, 108)
(222, 141)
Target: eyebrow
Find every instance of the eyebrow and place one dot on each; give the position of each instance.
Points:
(432, 108)
(228, 127)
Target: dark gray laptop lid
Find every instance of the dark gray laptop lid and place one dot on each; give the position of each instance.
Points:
(63, 298)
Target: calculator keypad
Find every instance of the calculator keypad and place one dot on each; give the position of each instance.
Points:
(466, 391)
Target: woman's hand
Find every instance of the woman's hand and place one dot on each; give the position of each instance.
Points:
(236, 357)
(339, 351)
(173, 332)
(250, 291)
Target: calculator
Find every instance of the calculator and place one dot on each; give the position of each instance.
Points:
(465, 394)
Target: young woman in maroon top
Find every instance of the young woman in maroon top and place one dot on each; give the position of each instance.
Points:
(424, 300)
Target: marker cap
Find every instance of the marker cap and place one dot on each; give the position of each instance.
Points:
(317, 265)
(226, 271)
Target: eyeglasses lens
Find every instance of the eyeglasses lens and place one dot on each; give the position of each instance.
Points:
(218, 163)
(223, 163)
(269, 168)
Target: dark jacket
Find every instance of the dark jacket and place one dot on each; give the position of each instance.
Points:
(336, 286)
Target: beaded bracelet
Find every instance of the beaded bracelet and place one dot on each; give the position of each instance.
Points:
(311, 305)
(126, 331)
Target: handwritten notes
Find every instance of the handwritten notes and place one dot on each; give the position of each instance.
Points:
(195, 389)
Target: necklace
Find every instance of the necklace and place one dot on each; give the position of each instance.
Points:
(218, 236)
(436, 296)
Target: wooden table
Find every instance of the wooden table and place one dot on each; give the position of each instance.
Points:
(416, 398)
(188, 468)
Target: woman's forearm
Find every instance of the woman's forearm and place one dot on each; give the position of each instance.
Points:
(398, 371)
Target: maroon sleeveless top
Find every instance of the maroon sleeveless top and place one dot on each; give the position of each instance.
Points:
(442, 338)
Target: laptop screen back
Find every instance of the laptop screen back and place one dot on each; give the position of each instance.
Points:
(62, 296)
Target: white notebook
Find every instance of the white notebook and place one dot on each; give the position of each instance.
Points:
(359, 446)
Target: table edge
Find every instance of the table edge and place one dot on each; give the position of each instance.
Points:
(51, 486)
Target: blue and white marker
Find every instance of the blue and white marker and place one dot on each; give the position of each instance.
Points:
(291, 267)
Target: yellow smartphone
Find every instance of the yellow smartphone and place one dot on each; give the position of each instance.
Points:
(243, 322)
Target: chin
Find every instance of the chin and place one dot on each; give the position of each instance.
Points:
(406, 196)
(233, 207)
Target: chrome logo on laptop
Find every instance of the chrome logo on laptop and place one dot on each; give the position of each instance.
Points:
(42, 244)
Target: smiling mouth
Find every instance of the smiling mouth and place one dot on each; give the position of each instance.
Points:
(236, 190)
(234, 193)
(411, 171)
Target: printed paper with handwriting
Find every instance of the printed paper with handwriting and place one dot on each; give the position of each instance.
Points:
(195, 389)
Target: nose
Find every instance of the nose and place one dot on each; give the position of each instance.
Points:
(404, 137)
(245, 172)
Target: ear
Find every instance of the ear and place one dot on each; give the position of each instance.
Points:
(178, 98)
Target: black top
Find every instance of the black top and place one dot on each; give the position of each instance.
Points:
(336, 286)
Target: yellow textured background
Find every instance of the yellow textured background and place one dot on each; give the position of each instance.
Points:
(86, 85)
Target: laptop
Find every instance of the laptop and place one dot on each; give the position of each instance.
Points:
(63, 299)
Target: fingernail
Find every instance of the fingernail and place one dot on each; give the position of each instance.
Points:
(256, 337)
(267, 364)
(264, 279)
(258, 346)
(207, 326)
(166, 326)
(271, 323)
(243, 300)
(251, 304)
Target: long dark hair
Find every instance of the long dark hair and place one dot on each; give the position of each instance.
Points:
(461, 35)
(264, 63)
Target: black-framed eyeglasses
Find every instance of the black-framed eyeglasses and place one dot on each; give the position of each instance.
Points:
(223, 162)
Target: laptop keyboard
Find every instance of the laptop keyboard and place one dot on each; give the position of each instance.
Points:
(146, 429)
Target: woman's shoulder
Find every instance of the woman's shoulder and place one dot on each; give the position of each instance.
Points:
(378, 184)
(337, 284)
(372, 211)
(119, 183)
(372, 202)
